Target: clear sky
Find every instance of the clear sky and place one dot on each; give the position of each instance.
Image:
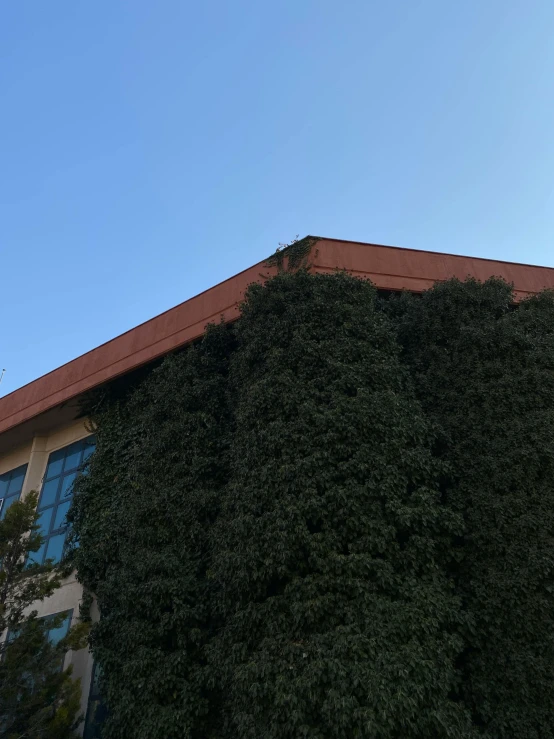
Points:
(152, 148)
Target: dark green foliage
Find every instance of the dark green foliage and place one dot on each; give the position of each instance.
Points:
(296, 254)
(485, 375)
(331, 520)
(141, 516)
(20, 584)
(38, 700)
(330, 545)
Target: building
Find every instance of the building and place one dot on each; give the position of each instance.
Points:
(42, 443)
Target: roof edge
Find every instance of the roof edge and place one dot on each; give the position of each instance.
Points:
(388, 267)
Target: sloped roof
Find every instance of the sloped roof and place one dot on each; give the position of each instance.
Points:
(389, 268)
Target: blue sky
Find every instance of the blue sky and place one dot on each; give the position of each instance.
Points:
(149, 150)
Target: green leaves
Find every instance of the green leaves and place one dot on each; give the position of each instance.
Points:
(336, 618)
(485, 375)
(331, 519)
(37, 699)
(20, 584)
(142, 518)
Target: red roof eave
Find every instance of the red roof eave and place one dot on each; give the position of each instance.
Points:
(389, 268)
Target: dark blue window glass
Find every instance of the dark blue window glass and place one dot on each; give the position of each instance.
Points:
(55, 497)
(55, 464)
(54, 546)
(67, 485)
(61, 513)
(54, 633)
(16, 481)
(44, 521)
(10, 488)
(57, 633)
(73, 459)
(96, 708)
(49, 492)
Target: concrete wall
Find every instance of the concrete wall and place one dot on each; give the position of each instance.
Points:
(68, 597)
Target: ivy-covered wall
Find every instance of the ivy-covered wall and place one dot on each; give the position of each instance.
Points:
(484, 373)
(332, 519)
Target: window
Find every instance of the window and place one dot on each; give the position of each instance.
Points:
(55, 633)
(96, 708)
(55, 497)
(57, 627)
(10, 488)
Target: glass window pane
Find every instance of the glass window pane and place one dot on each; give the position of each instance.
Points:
(89, 448)
(61, 513)
(67, 485)
(16, 483)
(4, 480)
(48, 494)
(55, 463)
(96, 709)
(54, 547)
(44, 521)
(73, 458)
(57, 634)
(12, 634)
(7, 503)
(36, 558)
(95, 681)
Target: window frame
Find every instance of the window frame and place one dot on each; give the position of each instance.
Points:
(51, 616)
(96, 707)
(63, 493)
(11, 634)
(10, 495)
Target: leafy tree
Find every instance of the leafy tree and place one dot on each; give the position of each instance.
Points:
(21, 585)
(484, 372)
(338, 619)
(38, 700)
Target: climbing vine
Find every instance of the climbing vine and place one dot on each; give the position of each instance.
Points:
(293, 256)
(485, 375)
(142, 519)
(332, 519)
(329, 544)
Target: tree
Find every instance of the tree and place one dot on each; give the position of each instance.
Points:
(38, 699)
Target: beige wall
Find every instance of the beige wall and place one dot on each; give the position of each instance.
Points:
(68, 596)
(15, 458)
